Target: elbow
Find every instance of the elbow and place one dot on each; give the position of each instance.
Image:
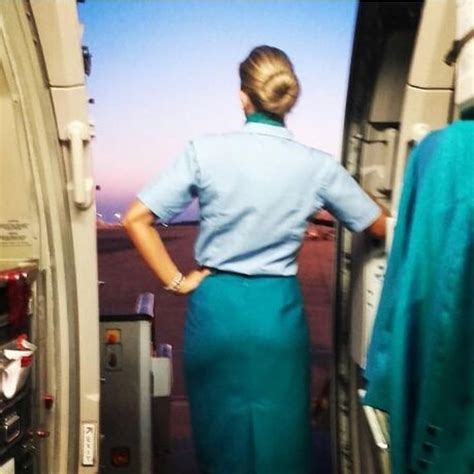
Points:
(133, 224)
(129, 223)
(126, 221)
(137, 216)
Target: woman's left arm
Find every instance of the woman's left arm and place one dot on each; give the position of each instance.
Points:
(139, 224)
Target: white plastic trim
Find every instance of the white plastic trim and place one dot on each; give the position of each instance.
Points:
(78, 133)
(464, 90)
(374, 425)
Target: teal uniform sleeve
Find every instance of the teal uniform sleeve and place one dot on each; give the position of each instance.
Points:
(174, 188)
(347, 201)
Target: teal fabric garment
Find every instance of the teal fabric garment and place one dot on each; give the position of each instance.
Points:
(247, 372)
(262, 117)
(420, 366)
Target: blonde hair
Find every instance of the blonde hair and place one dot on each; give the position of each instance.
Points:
(268, 78)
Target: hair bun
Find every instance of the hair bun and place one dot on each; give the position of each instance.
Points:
(279, 92)
(267, 76)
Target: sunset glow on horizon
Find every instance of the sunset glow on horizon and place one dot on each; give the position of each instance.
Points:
(166, 71)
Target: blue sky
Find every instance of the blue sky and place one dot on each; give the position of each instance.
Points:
(166, 71)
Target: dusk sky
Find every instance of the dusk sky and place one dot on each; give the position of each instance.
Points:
(166, 71)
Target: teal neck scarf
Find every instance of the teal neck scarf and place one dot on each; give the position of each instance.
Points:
(263, 117)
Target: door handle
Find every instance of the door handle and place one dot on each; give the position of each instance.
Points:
(78, 134)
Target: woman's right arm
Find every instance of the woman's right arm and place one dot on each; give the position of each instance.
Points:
(378, 228)
(344, 198)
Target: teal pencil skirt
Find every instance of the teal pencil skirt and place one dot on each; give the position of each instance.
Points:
(246, 365)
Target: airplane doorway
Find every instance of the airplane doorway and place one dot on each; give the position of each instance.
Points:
(164, 72)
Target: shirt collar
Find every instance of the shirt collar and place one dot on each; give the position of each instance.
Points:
(265, 129)
(264, 117)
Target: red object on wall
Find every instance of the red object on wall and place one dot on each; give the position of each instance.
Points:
(17, 282)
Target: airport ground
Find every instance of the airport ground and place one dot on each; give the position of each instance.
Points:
(125, 276)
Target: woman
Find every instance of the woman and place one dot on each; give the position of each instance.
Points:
(246, 338)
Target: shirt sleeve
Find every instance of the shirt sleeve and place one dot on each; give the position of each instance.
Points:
(174, 188)
(347, 201)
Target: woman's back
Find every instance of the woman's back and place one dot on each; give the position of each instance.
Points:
(256, 190)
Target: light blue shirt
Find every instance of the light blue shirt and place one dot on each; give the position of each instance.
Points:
(256, 188)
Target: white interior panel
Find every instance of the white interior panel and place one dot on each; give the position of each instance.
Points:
(18, 217)
(60, 33)
(434, 40)
(465, 63)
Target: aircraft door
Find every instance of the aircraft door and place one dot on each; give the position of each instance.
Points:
(47, 222)
(400, 88)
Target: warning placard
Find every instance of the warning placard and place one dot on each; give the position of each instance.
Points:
(15, 233)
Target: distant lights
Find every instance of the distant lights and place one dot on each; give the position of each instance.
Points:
(108, 218)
